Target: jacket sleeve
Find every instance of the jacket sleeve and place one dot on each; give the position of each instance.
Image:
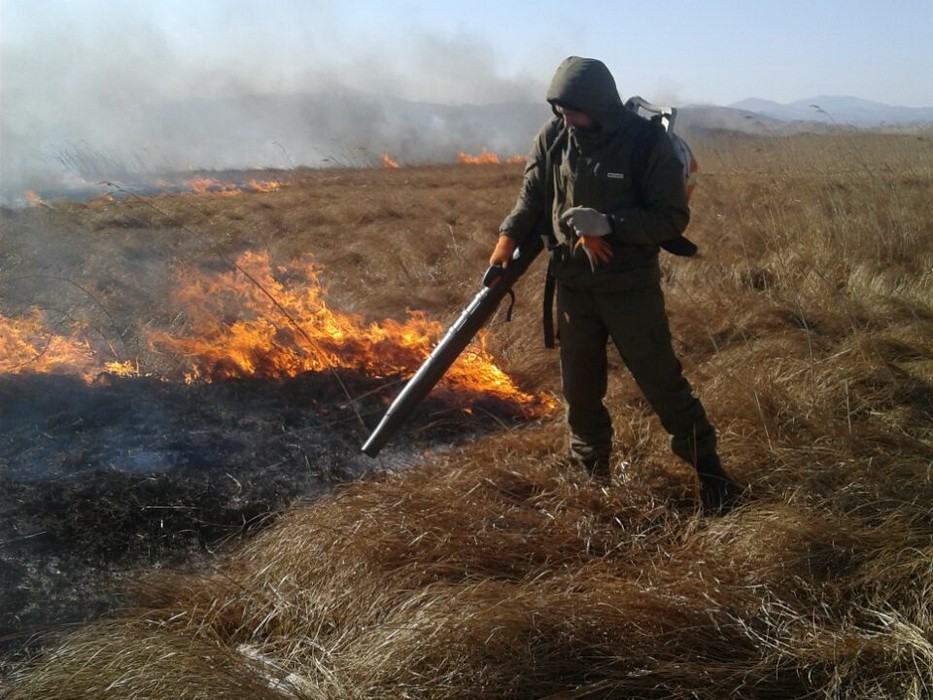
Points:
(664, 213)
(532, 197)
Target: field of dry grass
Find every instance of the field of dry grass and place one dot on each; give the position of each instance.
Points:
(494, 569)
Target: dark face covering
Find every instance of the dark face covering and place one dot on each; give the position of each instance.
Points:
(593, 128)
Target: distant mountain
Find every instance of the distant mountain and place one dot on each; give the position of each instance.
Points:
(838, 110)
(701, 121)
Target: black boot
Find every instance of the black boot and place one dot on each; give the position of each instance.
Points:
(718, 491)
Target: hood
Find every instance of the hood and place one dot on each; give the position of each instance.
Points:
(586, 85)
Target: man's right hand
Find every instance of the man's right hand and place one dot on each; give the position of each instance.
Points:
(502, 254)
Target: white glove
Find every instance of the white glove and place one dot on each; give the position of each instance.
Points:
(586, 222)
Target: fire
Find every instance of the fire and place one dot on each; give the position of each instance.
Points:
(299, 333)
(206, 185)
(487, 157)
(234, 329)
(387, 161)
(32, 199)
(101, 200)
(484, 158)
(122, 369)
(28, 345)
(265, 185)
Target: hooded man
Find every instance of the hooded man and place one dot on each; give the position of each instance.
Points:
(612, 203)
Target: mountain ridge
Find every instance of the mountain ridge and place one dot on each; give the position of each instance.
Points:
(839, 110)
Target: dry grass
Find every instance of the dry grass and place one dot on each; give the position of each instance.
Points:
(498, 571)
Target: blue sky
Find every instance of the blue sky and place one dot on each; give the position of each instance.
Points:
(685, 51)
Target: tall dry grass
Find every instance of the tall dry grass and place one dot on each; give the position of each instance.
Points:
(497, 570)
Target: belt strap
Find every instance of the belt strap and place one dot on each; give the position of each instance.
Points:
(550, 242)
(550, 290)
(550, 287)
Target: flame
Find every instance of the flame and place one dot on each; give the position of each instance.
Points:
(234, 329)
(265, 185)
(28, 345)
(484, 158)
(387, 161)
(264, 341)
(487, 157)
(100, 200)
(206, 185)
(122, 369)
(32, 199)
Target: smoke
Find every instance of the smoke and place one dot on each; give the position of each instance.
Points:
(114, 94)
(63, 91)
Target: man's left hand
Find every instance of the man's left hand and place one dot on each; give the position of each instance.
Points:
(597, 249)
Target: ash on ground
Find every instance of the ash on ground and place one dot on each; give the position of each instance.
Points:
(104, 481)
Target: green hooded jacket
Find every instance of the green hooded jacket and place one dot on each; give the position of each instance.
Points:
(594, 168)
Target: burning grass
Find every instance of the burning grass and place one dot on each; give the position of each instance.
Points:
(497, 570)
(284, 327)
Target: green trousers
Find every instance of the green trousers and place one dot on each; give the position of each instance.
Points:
(637, 324)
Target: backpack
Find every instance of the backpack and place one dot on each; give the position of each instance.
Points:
(663, 119)
(659, 123)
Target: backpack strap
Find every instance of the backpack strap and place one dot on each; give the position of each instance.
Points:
(550, 244)
(550, 289)
(649, 133)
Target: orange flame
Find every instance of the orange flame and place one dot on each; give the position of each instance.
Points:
(487, 157)
(265, 185)
(100, 200)
(484, 158)
(387, 161)
(296, 333)
(33, 199)
(28, 345)
(313, 337)
(206, 185)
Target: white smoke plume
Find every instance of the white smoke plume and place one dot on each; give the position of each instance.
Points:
(113, 94)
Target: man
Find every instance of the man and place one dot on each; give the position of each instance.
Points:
(611, 204)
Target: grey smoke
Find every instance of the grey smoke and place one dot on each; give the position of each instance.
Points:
(110, 98)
